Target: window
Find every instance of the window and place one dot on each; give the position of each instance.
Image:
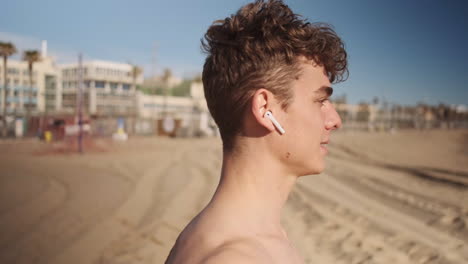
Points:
(113, 85)
(100, 84)
(126, 87)
(13, 71)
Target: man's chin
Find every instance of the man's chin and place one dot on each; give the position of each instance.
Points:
(316, 169)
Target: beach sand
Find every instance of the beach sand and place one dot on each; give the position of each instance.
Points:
(384, 198)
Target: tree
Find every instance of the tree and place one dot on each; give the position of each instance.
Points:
(363, 112)
(183, 89)
(198, 78)
(6, 49)
(136, 71)
(30, 56)
(166, 76)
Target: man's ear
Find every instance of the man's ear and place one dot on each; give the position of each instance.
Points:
(262, 101)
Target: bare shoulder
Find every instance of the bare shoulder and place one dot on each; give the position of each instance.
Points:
(238, 251)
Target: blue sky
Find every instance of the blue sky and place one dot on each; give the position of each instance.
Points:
(405, 51)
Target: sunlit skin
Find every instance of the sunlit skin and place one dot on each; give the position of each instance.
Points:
(241, 223)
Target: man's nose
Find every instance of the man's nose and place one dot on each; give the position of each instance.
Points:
(333, 120)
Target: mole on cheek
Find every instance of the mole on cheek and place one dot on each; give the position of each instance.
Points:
(287, 155)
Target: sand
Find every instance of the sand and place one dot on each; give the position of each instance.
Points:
(384, 198)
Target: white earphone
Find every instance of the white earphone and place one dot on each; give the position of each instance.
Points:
(275, 123)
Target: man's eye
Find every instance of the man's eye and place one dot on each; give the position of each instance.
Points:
(323, 101)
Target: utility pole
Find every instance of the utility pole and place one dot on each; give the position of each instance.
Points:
(153, 76)
(153, 59)
(165, 102)
(79, 98)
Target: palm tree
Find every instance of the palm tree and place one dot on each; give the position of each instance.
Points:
(136, 71)
(165, 78)
(31, 56)
(6, 49)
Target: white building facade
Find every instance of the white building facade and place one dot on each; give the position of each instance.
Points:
(42, 95)
(191, 111)
(109, 88)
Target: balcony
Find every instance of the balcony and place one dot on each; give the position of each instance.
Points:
(30, 100)
(11, 99)
(19, 88)
(26, 100)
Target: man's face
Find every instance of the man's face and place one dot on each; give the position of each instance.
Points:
(308, 122)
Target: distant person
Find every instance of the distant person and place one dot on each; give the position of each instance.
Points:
(267, 82)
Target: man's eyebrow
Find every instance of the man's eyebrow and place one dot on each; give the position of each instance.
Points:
(325, 89)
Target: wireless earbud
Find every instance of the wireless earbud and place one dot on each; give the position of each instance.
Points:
(273, 120)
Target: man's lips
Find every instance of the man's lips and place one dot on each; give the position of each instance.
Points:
(323, 146)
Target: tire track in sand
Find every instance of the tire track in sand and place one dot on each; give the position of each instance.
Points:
(17, 224)
(451, 248)
(325, 232)
(88, 248)
(151, 243)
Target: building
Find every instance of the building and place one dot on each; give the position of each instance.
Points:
(109, 96)
(109, 88)
(191, 112)
(41, 96)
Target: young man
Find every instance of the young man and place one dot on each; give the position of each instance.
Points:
(263, 61)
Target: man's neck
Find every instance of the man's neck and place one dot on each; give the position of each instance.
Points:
(254, 188)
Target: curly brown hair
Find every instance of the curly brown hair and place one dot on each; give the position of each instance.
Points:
(260, 47)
